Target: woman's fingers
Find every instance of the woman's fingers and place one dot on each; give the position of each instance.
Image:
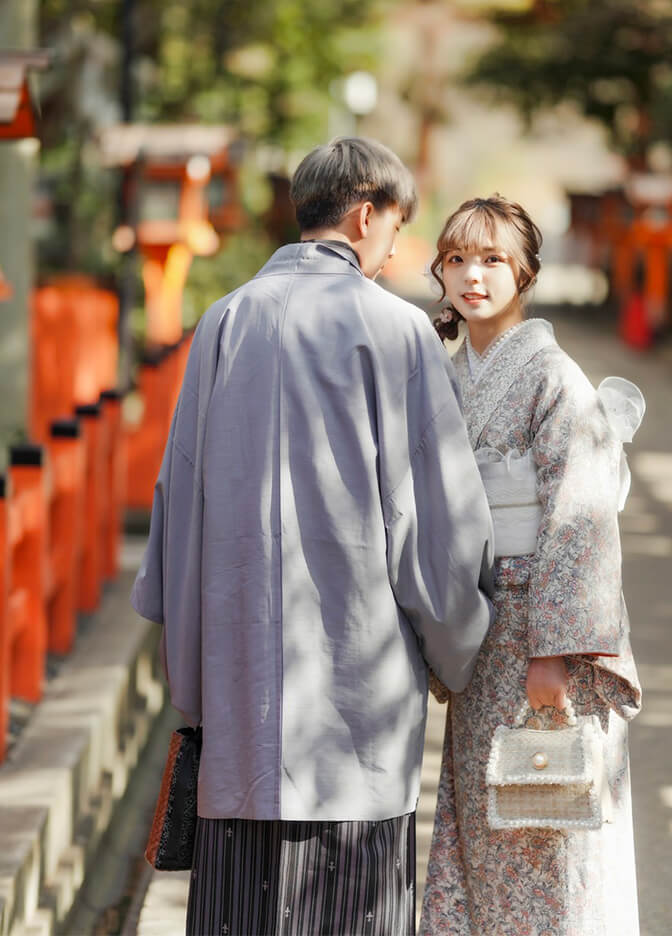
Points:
(561, 702)
(547, 682)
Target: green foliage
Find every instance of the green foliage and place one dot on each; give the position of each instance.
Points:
(240, 258)
(264, 66)
(611, 58)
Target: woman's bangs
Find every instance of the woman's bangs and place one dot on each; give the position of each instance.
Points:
(474, 230)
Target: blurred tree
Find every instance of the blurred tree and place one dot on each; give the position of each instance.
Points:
(611, 58)
(265, 67)
(426, 83)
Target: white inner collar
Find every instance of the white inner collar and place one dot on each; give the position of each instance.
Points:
(479, 363)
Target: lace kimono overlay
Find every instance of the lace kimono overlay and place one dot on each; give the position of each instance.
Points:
(565, 599)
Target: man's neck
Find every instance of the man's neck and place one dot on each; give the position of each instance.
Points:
(330, 234)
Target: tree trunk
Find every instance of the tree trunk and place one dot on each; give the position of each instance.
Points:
(18, 30)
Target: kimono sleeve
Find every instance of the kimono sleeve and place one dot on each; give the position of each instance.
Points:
(439, 536)
(167, 586)
(575, 603)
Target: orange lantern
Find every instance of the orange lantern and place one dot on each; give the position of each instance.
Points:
(187, 198)
(17, 119)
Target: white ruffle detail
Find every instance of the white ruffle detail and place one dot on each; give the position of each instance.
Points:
(510, 479)
(625, 406)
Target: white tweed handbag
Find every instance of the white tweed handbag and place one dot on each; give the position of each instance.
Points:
(548, 779)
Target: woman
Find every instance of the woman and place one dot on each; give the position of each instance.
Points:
(561, 628)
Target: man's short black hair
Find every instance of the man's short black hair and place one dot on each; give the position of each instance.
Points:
(337, 175)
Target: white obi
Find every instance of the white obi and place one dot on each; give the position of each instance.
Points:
(510, 480)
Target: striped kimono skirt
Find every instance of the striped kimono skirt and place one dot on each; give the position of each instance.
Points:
(278, 878)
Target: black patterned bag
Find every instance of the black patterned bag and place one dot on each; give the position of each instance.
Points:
(170, 846)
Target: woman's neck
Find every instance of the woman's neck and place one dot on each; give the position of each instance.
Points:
(483, 333)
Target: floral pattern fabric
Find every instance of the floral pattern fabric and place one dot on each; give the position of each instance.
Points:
(563, 600)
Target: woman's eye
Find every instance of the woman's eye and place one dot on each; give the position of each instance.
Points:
(455, 259)
(494, 258)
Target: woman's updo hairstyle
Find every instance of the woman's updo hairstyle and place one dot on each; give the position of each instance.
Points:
(493, 222)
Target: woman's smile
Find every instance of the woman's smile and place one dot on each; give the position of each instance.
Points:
(481, 284)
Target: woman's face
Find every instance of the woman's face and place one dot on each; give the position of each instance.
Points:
(481, 284)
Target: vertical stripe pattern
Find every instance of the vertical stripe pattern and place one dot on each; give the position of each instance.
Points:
(275, 878)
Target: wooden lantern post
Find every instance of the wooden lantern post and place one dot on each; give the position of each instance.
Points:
(178, 168)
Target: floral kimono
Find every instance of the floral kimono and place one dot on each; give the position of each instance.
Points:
(525, 398)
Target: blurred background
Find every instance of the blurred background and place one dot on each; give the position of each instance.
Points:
(146, 148)
(565, 106)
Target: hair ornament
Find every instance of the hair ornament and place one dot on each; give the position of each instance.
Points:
(446, 316)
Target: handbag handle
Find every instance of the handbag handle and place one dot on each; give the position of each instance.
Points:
(526, 707)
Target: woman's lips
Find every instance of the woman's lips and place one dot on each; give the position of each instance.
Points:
(474, 297)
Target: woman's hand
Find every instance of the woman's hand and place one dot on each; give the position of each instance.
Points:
(547, 682)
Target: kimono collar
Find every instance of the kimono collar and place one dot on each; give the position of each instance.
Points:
(482, 396)
(479, 363)
(340, 247)
(313, 257)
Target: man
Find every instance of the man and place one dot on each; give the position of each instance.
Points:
(319, 532)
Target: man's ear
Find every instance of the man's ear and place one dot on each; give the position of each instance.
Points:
(364, 214)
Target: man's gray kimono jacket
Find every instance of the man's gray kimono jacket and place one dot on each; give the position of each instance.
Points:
(318, 534)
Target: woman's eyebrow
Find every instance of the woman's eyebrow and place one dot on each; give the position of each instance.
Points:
(476, 250)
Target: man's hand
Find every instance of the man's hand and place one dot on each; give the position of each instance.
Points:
(547, 682)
